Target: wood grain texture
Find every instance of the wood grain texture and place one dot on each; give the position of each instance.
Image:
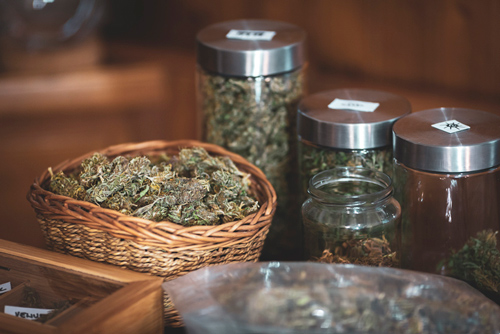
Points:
(122, 312)
(92, 90)
(12, 325)
(452, 44)
(48, 259)
(110, 300)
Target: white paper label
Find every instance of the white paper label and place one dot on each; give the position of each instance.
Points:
(5, 287)
(251, 35)
(26, 312)
(451, 126)
(353, 105)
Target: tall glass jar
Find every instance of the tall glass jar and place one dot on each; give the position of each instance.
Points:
(447, 179)
(250, 78)
(347, 127)
(352, 217)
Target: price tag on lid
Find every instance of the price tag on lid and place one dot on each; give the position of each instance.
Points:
(354, 105)
(451, 126)
(251, 35)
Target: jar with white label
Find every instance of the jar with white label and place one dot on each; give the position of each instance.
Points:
(447, 180)
(250, 78)
(351, 217)
(347, 127)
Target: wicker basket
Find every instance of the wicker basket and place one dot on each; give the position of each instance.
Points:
(164, 248)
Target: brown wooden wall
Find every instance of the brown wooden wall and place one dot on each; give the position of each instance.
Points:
(453, 44)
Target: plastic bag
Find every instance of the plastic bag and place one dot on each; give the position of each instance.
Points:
(307, 297)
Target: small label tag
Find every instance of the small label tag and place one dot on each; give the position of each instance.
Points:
(26, 312)
(251, 35)
(5, 287)
(353, 105)
(451, 126)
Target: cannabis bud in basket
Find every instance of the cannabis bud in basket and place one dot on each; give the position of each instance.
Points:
(191, 188)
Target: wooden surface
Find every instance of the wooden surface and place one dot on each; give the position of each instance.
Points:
(119, 301)
(135, 309)
(48, 259)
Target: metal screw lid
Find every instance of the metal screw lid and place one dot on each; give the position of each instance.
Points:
(349, 128)
(236, 57)
(420, 145)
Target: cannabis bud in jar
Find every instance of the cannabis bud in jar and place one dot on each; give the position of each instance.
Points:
(250, 79)
(363, 251)
(253, 117)
(192, 188)
(347, 127)
(447, 179)
(351, 217)
(477, 263)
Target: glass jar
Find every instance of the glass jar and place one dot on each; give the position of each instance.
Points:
(352, 217)
(38, 25)
(447, 179)
(347, 127)
(250, 78)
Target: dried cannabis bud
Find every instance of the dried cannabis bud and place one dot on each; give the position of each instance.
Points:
(368, 252)
(66, 186)
(255, 117)
(279, 300)
(314, 159)
(478, 263)
(368, 246)
(192, 188)
(32, 299)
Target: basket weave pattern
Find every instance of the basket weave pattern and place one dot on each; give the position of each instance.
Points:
(164, 249)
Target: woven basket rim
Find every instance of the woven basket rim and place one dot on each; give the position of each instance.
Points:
(144, 231)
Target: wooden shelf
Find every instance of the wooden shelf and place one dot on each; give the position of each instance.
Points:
(110, 88)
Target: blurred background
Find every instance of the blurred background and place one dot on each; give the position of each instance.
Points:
(80, 75)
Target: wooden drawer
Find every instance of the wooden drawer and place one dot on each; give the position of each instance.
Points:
(97, 298)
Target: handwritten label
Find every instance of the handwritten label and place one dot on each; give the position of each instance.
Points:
(353, 105)
(251, 35)
(451, 126)
(26, 312)
(5, 287)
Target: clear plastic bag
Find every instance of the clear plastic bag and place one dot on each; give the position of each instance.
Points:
(306, 297)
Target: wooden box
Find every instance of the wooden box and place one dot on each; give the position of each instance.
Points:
(98, 298)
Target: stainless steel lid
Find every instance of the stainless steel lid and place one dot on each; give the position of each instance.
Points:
(254, 56)
(420, 144)
(350, 128)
